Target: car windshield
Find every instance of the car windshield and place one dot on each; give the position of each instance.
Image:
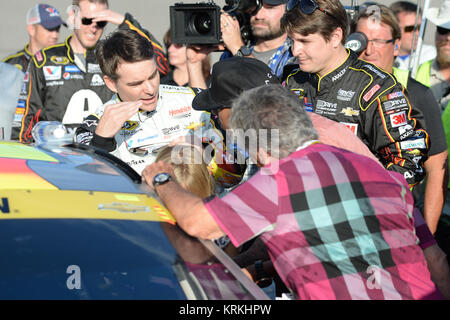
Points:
(108, 259)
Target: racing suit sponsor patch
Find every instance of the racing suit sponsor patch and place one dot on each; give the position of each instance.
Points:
(299, 92)
(130, 125)
(395, 104)
(371, 92)
(171, 130)
(183, 112)
(54, 83)
(413, 144)
(324, 107)
(52, 73)
(344, 95)
(339, 75)
(39, 56)
(93, 68)
(97, 81)
(59, 60)
(398, 119)
(72, 69)
(352, 126)
(375, 70)
(392, 95)
(349, 112)
(405, 131)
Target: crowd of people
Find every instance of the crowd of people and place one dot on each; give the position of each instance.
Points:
(320, 170)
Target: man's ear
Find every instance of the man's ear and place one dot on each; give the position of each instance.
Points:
(110, 83)
(397, 44)
(336, 37)
(31, 28)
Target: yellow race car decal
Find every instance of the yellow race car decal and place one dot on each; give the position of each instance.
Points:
(67, 204)
(20, 151)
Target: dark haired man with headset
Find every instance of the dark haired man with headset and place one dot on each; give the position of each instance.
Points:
(331, 81)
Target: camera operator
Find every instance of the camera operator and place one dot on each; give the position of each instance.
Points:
(271, 45)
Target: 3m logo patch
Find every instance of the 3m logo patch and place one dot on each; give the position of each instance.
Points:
(398, 119)
(352, 126)
(371, 92)
(52, 73)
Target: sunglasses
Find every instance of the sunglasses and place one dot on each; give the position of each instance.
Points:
(88, 22)
(307, 7)
(442, 31)
(410, 28)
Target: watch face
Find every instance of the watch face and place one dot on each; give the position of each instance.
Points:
(161, 177)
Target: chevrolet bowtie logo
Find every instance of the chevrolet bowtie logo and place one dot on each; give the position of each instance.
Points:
(350, 112)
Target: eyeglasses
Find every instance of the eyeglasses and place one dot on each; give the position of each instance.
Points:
(88, 22)
(408, 29)
(307, 7)
(378, 43)
(442, 31)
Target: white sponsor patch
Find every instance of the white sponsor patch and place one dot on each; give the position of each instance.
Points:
(398, 119)
(345, 95)
(413, 144)
(52, 73)
(404, 129)
(93, 68)
(97, 81)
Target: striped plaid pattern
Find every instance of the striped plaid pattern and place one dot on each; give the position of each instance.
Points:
(336, 224)
(217, 282)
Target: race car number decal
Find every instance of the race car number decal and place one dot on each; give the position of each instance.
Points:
(52, 204)
(4, 207)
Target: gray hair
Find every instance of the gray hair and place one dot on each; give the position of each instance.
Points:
(278, 111)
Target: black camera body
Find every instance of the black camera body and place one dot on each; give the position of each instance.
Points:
(195, 23)
(199, 23)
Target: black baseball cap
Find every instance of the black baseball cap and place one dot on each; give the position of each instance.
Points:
(229, 78)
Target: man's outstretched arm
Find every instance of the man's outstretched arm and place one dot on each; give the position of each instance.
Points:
(187, 208)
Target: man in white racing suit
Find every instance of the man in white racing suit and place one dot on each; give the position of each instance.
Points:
(143, 116)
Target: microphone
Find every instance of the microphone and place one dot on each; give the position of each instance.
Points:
(357, 42)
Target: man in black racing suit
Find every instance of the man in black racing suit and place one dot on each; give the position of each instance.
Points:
(66, 83)
(336, 84)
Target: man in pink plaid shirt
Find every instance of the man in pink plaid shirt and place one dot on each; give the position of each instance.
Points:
(336, 224)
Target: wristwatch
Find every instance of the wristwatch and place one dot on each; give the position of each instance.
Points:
(262, 280)
(160, 179)
(243, 51)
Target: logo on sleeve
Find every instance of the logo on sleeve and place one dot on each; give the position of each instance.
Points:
(398, 119)
(371, 92)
